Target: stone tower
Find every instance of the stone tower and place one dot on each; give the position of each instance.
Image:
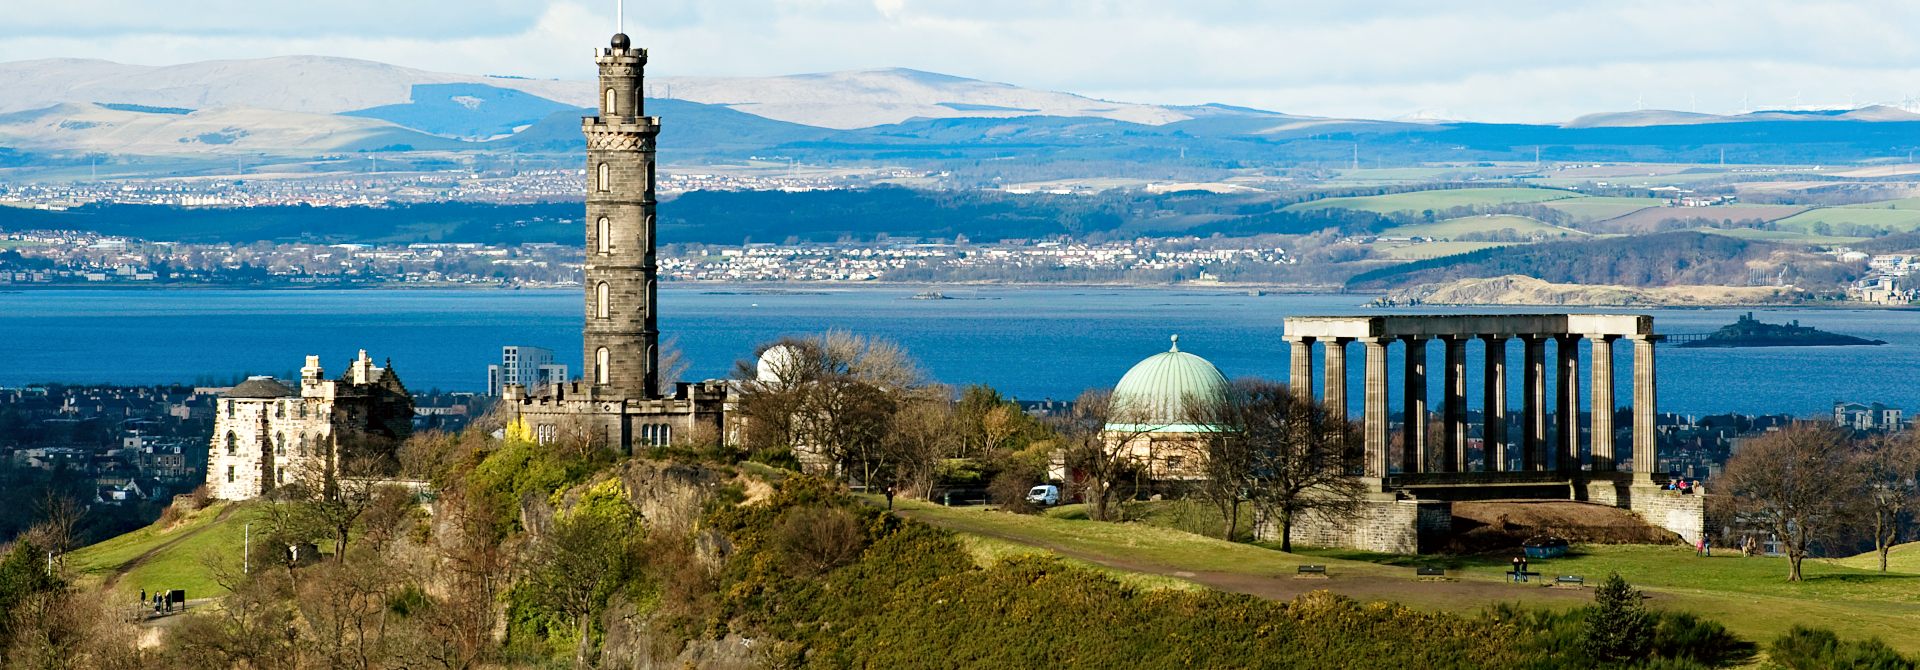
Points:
(622, 334)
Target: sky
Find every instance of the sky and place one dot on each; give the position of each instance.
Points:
(1511, 61)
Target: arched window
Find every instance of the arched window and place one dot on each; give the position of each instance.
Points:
(233, 443)
(600, 359)
(603, 235)
(606, 177)
(610, 107)
(303, 445)
(601, 300)
(649, 180)
(280, 444)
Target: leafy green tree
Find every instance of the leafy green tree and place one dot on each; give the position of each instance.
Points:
(1618, 627)
(23, 575)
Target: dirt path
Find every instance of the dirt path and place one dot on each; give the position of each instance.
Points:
(1458, 594)
(124, 568)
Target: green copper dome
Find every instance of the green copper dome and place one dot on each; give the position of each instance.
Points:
(1156, 393)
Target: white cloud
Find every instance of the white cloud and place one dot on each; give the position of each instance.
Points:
(1490, 60)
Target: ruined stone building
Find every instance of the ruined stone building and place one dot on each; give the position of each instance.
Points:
(268, 434)
(621, 401)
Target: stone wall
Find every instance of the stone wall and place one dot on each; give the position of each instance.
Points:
(1683, 514)
(1384, 525)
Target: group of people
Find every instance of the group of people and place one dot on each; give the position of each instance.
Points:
(163, 602)
(1683, 485)
(1520, 568)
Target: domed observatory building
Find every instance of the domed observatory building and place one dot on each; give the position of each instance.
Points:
(1152, 416)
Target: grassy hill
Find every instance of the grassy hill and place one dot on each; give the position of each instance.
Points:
(1664, 259)
(1419, 201)
(169, 556)
(1903, 558)
(1749, 595)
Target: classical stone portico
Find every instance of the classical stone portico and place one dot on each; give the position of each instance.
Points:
(1545, 459)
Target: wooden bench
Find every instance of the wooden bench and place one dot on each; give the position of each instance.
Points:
(1570, 581)
(1517, 576)
(1311, 572)
(1429, 572)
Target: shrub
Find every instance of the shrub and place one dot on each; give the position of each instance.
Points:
(1820, 649)
(814, 540)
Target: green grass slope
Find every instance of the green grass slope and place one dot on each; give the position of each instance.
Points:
(169, 557)
(1418, 201)
(1749, 595)
(1903, 558)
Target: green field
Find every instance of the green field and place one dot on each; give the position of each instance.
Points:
(1419, 201)
(1408, 251)
(1601, 208)
(1749, 595)
(156, 558)
(1466, 225)
(1903, 203)
(1896, 219)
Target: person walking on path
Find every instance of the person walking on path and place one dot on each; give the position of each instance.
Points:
(889, 492)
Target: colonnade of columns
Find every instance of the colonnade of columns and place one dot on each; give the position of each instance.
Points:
(1447, 452)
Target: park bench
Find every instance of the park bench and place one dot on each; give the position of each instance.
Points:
(1573, 581)
(1431, 575)
(1311, 572)
(1517, 576)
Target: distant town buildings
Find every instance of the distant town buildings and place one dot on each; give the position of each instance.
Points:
(527, 366)
(1868, 416)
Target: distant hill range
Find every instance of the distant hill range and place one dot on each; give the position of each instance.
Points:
(310, 105)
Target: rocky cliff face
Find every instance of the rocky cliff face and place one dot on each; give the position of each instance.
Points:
(1521, 290)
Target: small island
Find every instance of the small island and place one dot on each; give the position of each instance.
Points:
(1751, 332)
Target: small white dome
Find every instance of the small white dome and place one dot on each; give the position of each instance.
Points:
(775, 361)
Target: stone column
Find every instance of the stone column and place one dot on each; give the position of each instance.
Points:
(1413, 403)
(1453, 456)
(1493, 405)
(1533, 445)
(1376, 409)
(1334, 387)
(1646, 454)
(1602, 410)
(1300, 374)
(1566, 389)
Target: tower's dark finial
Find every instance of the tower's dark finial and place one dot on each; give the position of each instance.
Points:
(620, 41)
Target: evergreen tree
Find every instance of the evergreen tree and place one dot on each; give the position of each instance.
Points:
(23, 574)
(1618, 627)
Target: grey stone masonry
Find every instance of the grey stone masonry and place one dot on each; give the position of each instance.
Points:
(622, 335)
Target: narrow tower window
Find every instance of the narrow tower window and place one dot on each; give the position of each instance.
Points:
(611, 111)
(600, 358)
(606, 177)
(603, 235)
(233, 443)
(600, 300)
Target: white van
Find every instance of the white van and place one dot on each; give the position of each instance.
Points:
(1044, 495)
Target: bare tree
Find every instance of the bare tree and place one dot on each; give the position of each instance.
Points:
(1801, 482)
(1099, 440)
(832, 398)
(922, 433)
(1289, 456)
(1888, 465)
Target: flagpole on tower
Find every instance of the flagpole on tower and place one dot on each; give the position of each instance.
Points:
(620, 15)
